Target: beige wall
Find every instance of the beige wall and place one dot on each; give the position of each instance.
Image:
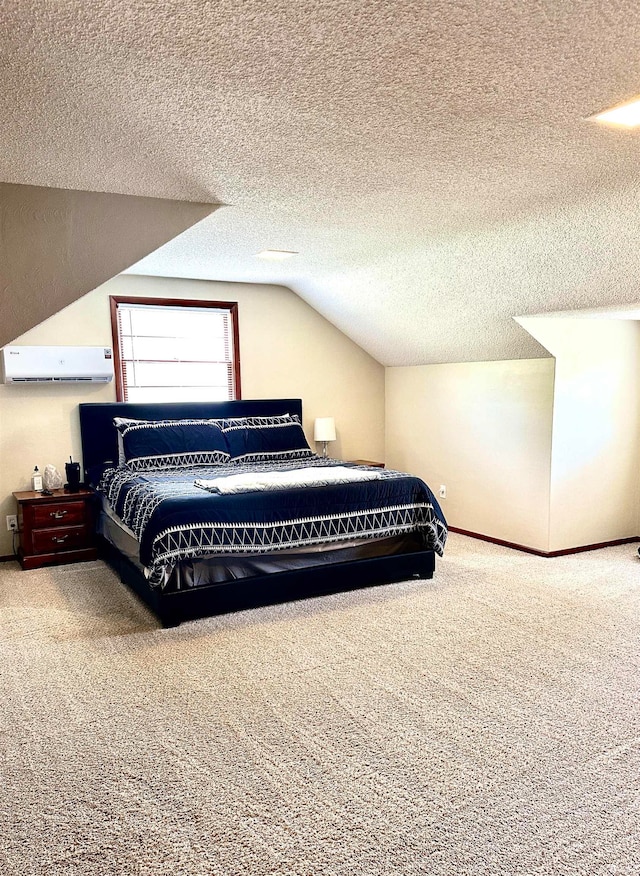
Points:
(484, 430)
(287, 350)
(57, 244)
(544, 453)
(594, 492)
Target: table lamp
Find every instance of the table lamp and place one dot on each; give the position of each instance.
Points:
(324, 430)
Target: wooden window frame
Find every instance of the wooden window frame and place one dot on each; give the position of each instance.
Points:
(230, 306)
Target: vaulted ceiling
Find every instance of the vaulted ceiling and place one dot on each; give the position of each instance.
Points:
(429, 162)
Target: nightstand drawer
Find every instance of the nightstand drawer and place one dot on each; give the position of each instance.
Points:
(46, 541)
(59, 514)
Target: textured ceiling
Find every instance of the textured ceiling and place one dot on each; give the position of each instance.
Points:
(430, 162)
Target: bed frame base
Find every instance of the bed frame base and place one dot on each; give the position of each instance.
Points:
(173, 608)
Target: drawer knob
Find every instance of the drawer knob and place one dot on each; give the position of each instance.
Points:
(58, 515)
(59, 540)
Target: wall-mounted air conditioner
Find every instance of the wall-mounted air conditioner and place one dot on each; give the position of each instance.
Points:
(57, 364)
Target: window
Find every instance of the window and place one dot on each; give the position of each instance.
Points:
(174, 350)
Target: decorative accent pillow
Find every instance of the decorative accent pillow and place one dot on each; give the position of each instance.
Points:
(260, 439)
(172, 443)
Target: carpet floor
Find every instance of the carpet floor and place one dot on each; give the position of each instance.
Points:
(486, 722)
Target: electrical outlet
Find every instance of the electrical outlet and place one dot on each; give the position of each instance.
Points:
(12, 522)
(442, 492)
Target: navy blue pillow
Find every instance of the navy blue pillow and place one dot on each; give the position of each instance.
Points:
(262, 439)
(173, 443)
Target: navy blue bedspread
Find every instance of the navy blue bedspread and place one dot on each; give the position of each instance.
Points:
(174, 520)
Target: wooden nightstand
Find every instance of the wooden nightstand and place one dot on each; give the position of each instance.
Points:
(367, 462)
(55, 529)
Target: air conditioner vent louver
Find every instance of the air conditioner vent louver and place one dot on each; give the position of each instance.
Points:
(52, 380)
(57, 364)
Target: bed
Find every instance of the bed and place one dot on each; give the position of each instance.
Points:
(214, 506)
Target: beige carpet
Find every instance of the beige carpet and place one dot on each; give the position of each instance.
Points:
(487, 722)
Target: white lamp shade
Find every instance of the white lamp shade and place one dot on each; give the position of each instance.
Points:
(324, 429)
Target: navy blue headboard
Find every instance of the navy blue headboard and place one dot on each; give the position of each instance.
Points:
(99, 436)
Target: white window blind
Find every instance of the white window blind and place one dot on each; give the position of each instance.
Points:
(175, 353)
